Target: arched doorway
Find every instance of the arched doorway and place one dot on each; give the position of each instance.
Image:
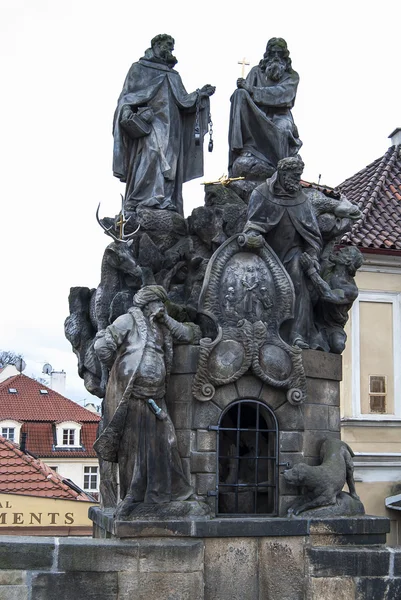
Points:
(247, 460)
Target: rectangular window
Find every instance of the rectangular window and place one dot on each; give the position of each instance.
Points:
(90, 478)
(68, 437)
(8, 433)
(376, 355)
(377, 393)
(376, 350)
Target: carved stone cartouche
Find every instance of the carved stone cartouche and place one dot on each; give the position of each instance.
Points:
(249, 295)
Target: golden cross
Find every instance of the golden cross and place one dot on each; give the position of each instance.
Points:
(120, 223)
(223, 180)
(243, 63)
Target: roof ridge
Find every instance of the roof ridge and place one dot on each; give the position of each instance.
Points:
(55, 477)
(42, 468)
(376, 182)
(60, 404)
(377, 160)
(2, 383)
(39, 466)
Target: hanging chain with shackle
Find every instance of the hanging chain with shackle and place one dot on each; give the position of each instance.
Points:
(197, 130)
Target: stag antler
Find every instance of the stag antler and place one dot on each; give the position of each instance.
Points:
(108, 230)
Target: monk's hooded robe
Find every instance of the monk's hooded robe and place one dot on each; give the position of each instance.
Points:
(156, 165)
(289, 225)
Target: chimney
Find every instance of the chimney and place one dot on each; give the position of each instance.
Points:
(395, 137)
(22, 445)
(57, 381)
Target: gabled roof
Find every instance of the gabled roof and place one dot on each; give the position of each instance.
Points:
(29, 404)
(41, 440)
(376, 189)
(24, 475)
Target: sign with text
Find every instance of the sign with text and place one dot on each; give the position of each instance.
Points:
(34, 511)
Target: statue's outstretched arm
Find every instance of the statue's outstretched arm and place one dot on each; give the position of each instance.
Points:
(186, 333)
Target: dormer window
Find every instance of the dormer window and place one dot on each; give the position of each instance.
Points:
(68, 434)
(68, 437)
(10, 430)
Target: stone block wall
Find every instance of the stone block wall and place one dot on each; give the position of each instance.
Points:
(278, 567)
(354, 573)
(78, 568)
(302, 428)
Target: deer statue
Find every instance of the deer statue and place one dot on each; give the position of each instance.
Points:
(118, 262)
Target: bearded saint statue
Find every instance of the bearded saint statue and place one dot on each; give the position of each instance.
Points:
(262, 129)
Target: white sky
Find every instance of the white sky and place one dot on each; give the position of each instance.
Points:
(63, 64)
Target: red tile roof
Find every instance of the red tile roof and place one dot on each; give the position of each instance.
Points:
(41, 441)
(325, 189)
(40, 413)
(376, 189)
(28, 404)
(22, 474)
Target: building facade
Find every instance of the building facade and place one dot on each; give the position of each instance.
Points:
(52, 428)
(371, 387)
(34, 500)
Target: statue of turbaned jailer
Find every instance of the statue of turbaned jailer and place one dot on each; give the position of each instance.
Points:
(138, 432)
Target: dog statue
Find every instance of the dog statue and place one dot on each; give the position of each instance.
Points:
(323, 483)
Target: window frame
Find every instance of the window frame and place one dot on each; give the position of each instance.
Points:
(7, 435)
(257, 404)
(393, 298)
(68, 425)
(69, 434)
(11, 424)
(90, 475)
(383, 394)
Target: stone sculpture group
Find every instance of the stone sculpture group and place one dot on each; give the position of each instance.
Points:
(254, 276)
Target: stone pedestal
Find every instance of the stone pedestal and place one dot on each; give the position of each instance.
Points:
(255, 559)
(301, 428)
(280, 560)
(202, 556)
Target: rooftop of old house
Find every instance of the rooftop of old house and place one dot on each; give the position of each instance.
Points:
(22, 474)
(376, 190)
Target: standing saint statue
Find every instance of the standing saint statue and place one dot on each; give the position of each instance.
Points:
(158, 130)
(262, 129)
(138, 432)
